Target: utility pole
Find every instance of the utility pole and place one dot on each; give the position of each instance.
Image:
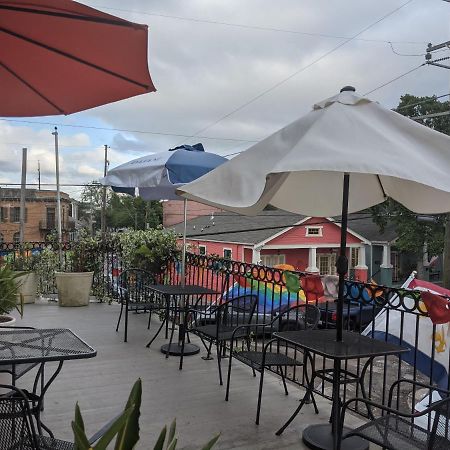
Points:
(103, 216)
(438, 62)
(39, 174)
(22, 196)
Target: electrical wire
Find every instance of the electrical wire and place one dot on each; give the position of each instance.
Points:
(395, 79)
(124, 130)
(253, 27)
(404, 54)
(297, 72)
(421, 102)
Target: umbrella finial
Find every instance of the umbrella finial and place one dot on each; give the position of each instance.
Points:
(348, 88)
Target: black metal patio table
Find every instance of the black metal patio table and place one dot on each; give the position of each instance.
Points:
(23, 346)
(352, 346)
(179, 292)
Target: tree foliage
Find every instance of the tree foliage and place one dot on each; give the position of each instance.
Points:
(133, 212)
(413, 233)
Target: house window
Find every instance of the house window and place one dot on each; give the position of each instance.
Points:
(354, 256)
(202, 250)
(15, 214)
(272, 260)
(2, 239)
(51, 218)
(227, 253)
(395, 261)
(314, 231)
(3, 214)
(16, 238)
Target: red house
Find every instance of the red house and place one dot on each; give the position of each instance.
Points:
(308, 243)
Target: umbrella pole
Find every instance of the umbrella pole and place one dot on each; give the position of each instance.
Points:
(342, 262)
(183, 257)
(58, 201)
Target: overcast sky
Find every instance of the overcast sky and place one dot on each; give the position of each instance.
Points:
(260, 63)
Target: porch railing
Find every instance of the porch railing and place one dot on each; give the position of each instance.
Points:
(404, 314)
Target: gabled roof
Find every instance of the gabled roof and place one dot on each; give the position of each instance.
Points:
(266, 225)
(228, 225)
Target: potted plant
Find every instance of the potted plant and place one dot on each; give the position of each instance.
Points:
(74, 282)
(9, 291)
(25, 264)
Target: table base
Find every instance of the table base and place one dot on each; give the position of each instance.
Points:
(174, 349)
(319, 437)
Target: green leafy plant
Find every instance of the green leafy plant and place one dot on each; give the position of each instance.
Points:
(83, 255)
(9, 290)
(26, 259)
(125, 429)
(152, 250)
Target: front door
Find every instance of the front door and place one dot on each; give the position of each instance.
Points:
(326, 262)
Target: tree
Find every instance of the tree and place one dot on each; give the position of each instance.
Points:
(91, 205)
(414, 236)
(133, 212)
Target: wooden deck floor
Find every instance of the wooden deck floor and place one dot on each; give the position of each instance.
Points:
(193, 396)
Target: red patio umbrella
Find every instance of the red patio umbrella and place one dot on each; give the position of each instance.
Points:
(61, 57)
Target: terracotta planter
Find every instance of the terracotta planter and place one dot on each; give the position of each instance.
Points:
(27, 287)
(74, 288)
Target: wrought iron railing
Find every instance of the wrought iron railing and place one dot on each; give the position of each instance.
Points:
(400, 313)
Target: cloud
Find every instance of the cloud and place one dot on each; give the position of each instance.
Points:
(240, 84)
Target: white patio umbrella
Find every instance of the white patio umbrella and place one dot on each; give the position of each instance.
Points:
(347, 154)
(158, 175)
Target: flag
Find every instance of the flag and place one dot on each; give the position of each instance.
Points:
(427, 336)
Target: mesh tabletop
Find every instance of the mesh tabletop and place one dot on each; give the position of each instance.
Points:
(189, 289)
(40, 345)
(353, 345)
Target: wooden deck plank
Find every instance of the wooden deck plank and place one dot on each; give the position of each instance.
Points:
(193, 396)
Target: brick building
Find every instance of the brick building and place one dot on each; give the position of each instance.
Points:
(40, 215)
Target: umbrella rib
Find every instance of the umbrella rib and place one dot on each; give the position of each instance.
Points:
(14, 74)
(120, 23)
(381, 186)
(73, 57)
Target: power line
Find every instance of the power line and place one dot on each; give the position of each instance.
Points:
(394, 79)
(404, 54)
(302, 69)
(254, 27)
(160, 133)
(276, 227)
(421, 102)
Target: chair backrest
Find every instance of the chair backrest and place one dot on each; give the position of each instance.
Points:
(237, 310)
(134, 286)
(440, 431)
(302, 316)
(17, 430)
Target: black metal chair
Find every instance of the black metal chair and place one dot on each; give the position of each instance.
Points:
(272, 355)
(18, 427)
(217, 324)
(135, 295)
(397, 430)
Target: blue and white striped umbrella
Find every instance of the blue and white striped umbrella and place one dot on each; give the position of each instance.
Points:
(158, 175)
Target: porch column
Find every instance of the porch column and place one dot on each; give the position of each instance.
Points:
(361, 270)
(386, 266)
(312, 258)
(256, 255)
